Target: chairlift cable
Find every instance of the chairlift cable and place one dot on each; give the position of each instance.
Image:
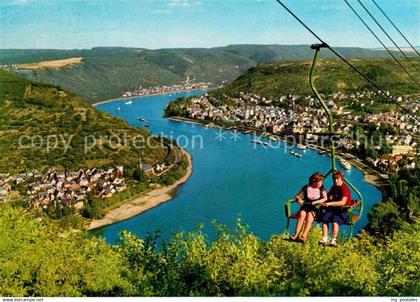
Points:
(379, 40)
(346, 62)
(395, 26)
(386, 33)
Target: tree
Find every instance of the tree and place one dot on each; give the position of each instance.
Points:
(93, 208)
(384, 218)
(139, 175)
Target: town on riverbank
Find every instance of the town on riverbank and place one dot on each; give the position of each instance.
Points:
(379, 143)
(164, 89)
(98, 193)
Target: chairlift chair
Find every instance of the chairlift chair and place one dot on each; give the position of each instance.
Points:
(356, 209)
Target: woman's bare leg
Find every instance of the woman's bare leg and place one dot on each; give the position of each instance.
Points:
(309, 219)
(324, 230)
(335, 230)
(299, 223)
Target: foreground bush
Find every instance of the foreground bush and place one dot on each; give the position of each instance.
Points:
(37, 261)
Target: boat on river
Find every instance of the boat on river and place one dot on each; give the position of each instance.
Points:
(301, 147)
(345, 164)
(296, 154)
(255, 141)
(129, 102)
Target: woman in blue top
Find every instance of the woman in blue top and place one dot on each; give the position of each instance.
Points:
(310, 195)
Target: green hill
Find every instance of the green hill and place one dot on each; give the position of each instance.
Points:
(33, 114)
(292, 77)
(282, 78)
(108, 72)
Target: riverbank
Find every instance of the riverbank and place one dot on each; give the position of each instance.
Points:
(141, 96)
(371, 176)
(184, 120)
(143, 202)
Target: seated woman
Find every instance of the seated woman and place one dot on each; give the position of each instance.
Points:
(338, 197)
(310, 195)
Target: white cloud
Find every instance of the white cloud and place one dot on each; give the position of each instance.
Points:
(184, 3)
(14, 2)
(168, 6)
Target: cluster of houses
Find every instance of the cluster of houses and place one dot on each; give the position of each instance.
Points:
(4, 191)
(393, 162)
(71, 188)
(257, 112)
(253, 111)
(7, 179)
(10, 67)
(166, 89)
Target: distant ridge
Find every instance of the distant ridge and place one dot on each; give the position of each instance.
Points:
(108, 72)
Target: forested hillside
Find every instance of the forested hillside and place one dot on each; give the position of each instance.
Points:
(44, 126)
(108, 72)
(282, 78)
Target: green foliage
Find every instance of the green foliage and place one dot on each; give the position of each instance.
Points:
(239, 264)
(139, 175)
(399, 263)
(37, 259)
(175, 172)
(177, 107)
(93, 208)
(384, 218)
(402, 205)
(283, 78)
(70, 125)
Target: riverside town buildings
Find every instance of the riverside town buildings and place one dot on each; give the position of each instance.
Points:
(69, 188)
(287, 116)
(167, 89)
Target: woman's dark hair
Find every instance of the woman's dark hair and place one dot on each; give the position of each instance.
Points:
(316, 177)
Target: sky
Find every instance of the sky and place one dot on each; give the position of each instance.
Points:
(81, 24)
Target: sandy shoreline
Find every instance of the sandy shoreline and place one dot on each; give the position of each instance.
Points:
(183, 120)
(142, 203)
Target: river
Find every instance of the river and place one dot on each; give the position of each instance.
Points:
(232, 177)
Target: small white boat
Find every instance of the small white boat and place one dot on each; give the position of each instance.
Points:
(345, 164)
(301, 147)
(119, 108)
(129, 102)
(296, 154)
